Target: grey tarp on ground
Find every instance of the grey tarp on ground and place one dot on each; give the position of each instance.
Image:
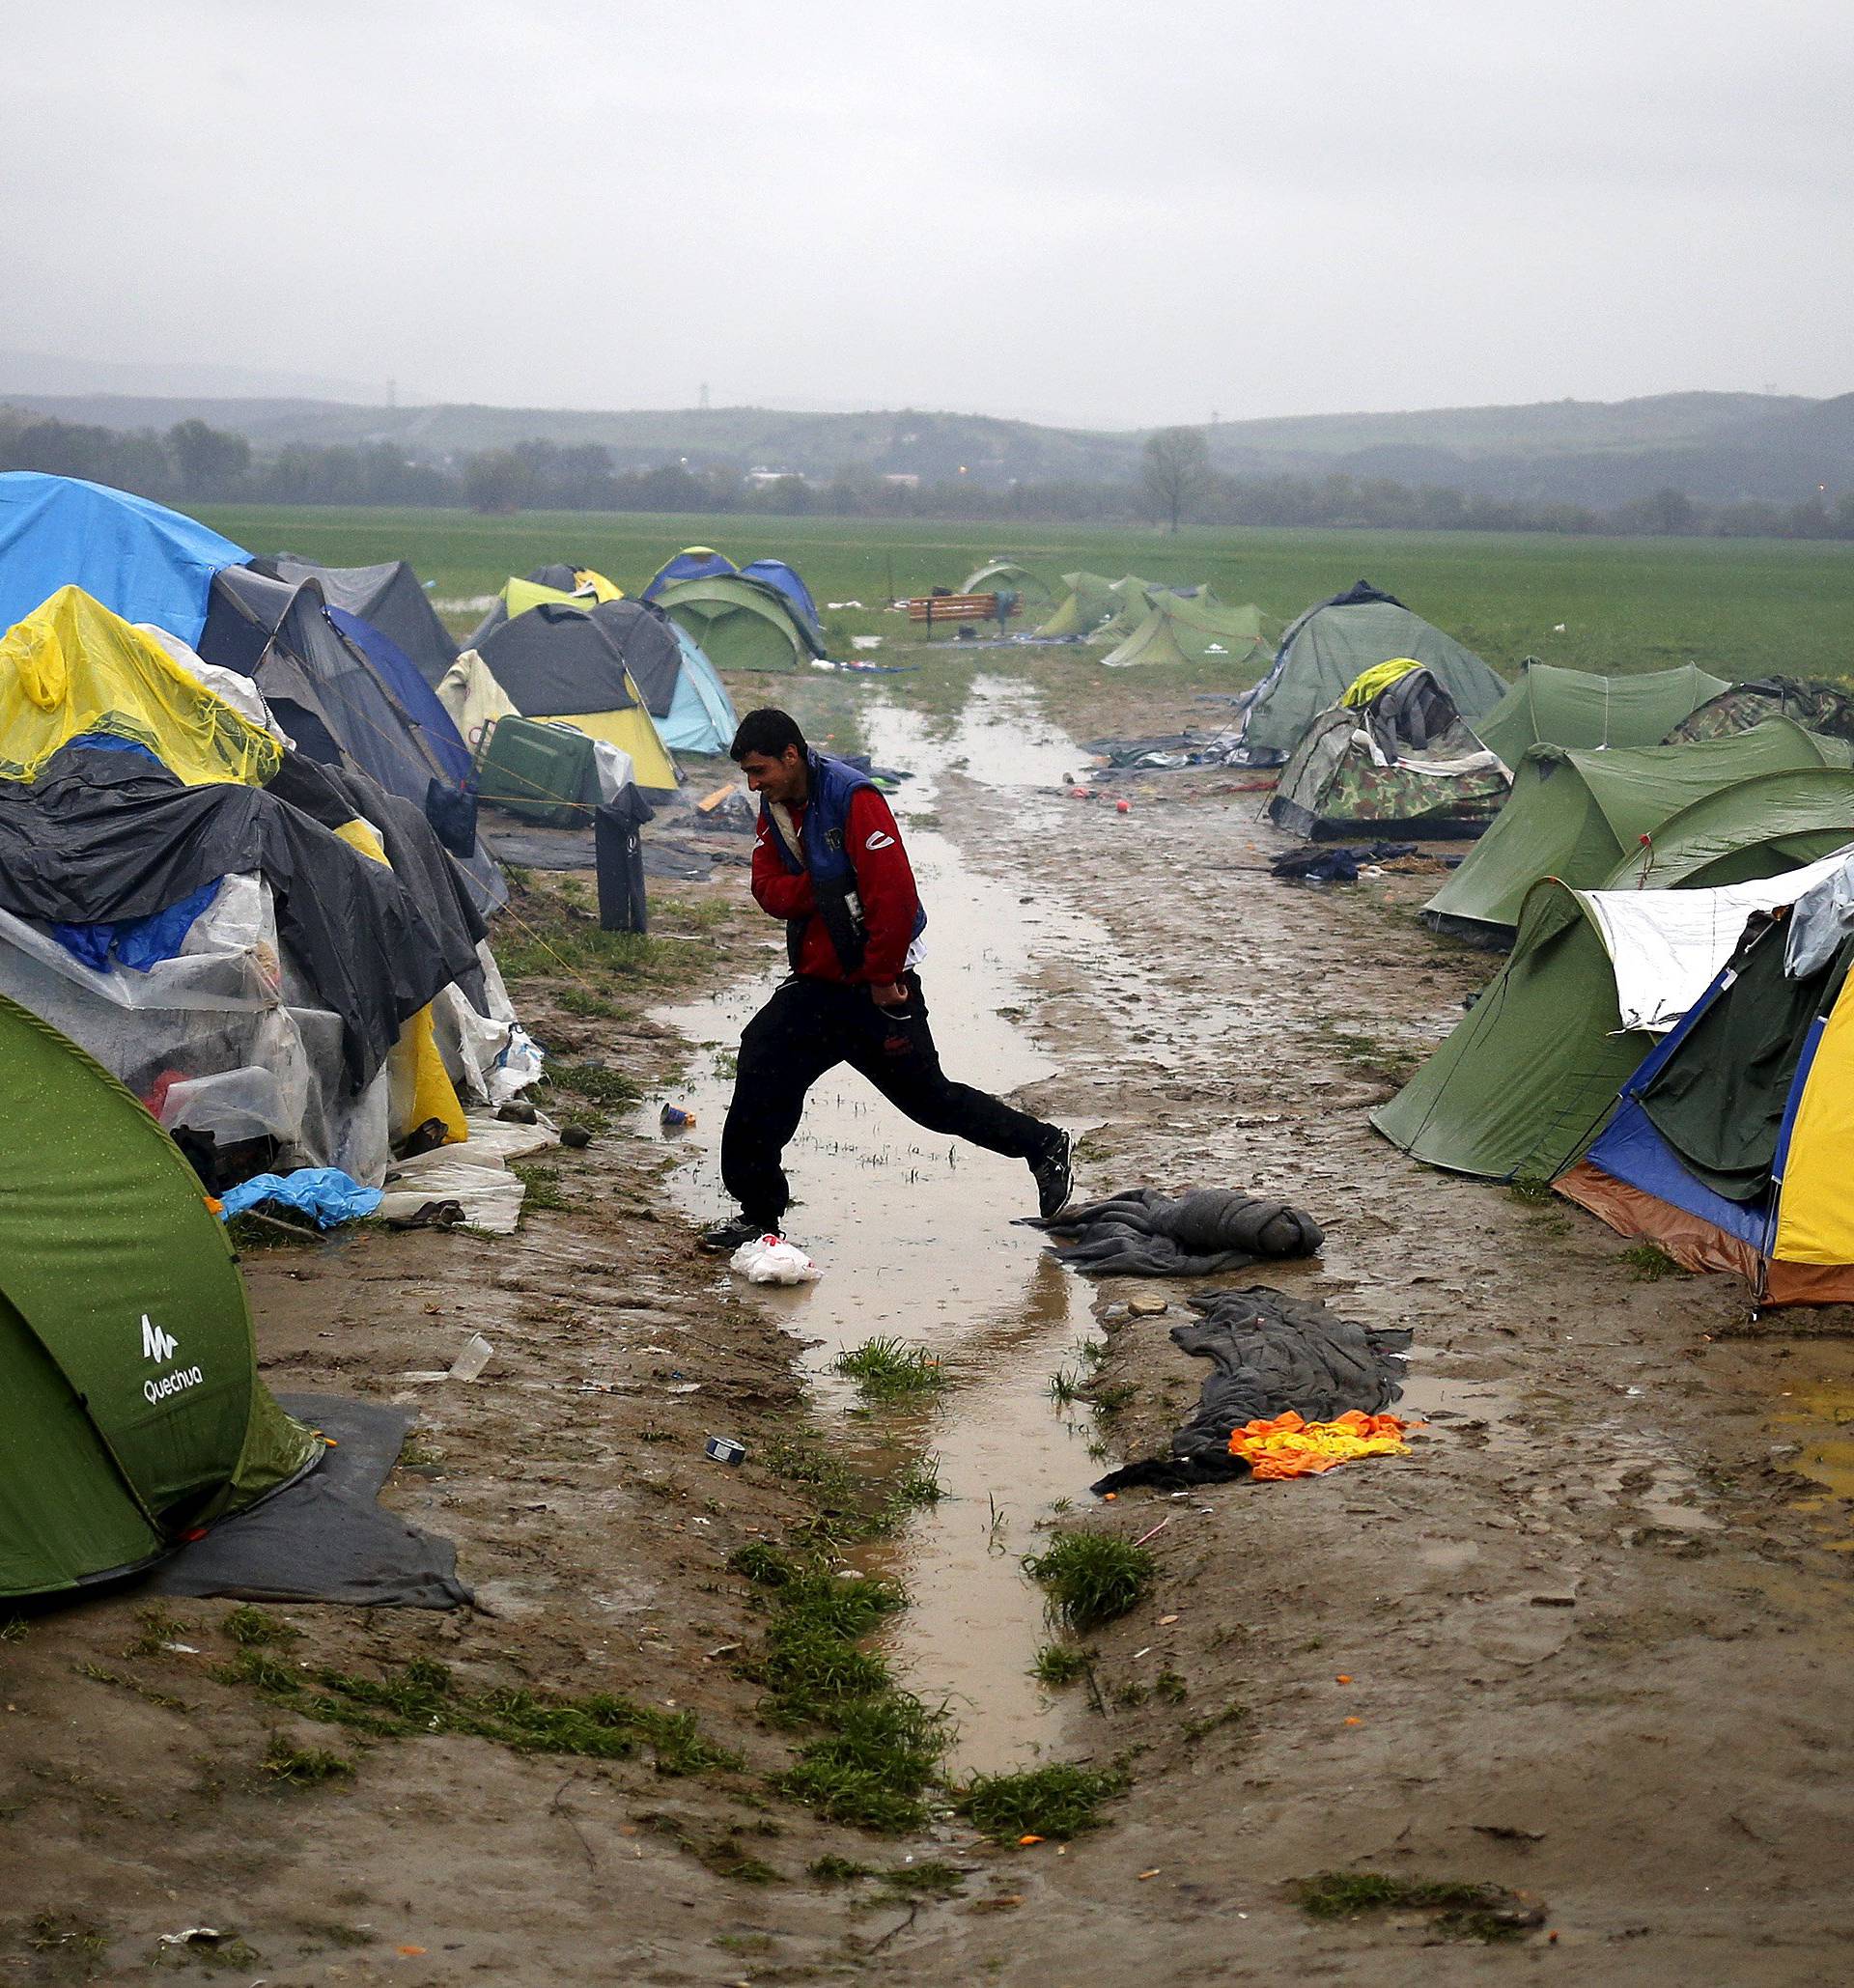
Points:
(1272, 1353)
(324, 1538)
(1141, 1233)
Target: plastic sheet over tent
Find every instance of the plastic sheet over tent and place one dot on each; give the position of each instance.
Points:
(137, 558)
(1549, 706)
(1526, 1078)
(1575, 815)
(388, 596)
(115, 1280)
(1335, 642)
(72, 669)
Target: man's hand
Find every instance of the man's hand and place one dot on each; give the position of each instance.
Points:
(891, 995)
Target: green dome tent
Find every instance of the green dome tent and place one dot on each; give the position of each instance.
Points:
(1088, 603)
(128, 1389)
(1549, 706)
(1191, 628)
(1005, 575)
(738, 623)
(1132, 601)
(1332, 644)
(1576, 815)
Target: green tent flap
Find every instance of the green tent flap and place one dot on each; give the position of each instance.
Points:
(1527, 1075)
(1549, 706)
(1755, 827)
(1005, 575)
(1083, 607)
(1576, 815)
(738, 623)
(129, 1387)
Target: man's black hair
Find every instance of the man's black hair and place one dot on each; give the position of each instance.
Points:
(769, 731)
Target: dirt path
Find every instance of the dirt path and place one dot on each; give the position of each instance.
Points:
(1593, 1633)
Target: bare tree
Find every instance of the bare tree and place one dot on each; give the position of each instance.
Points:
(1174, 472)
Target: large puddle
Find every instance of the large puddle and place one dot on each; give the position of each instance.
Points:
(914, 1238)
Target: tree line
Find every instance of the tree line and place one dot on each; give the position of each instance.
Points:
(194, 463)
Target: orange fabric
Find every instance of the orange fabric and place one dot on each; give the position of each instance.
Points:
(1289, 1446)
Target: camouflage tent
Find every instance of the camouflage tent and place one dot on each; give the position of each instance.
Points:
(1404, 762)
(1815, 706)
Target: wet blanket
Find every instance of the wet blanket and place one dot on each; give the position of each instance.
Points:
(1325, 863)
(1141, 1233)
(1270, 1354)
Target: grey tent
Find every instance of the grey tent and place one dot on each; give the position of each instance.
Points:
(1332, 644)
(389, 598)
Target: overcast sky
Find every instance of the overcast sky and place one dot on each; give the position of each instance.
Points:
(1108, 214)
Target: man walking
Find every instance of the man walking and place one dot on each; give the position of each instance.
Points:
(829, 860)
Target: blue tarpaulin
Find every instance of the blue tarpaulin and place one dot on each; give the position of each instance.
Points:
(141, 560)
(327, 1193)
(137, 943)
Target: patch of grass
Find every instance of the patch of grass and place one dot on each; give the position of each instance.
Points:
(158, 1628)
(250, 1233)
(1061, 1799)
(1649, 1263)
(543, 1184)
(887, 1369)
(1065, 1386)
(1092, 1577)
(226, 1952)
(1529, 1190)
(71, 1945)
(12, 1629)
(1463, 1911)
(250, 1626)
(1060, 1663)
(1365, 1055)
(581, 1001)
(931, 1878)
(611, 1088)
(1208, 1721)
(98, 1675)
(1169, 1686)
(303, 1767)
(876, 1762)
(839, 1870)
(1110, 1401)
(721, 1852)
(420, 1696)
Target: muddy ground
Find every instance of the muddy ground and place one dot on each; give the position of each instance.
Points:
(1589, 1642)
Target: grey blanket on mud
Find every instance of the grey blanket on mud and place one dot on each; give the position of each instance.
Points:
(1141, 1233)
(1269, 1352)
(324, 1537)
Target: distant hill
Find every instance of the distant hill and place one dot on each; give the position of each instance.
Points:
(1717, 447)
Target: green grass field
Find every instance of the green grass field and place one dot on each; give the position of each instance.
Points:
(1742, 607)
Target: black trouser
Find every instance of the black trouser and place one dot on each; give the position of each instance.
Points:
(813, 1025)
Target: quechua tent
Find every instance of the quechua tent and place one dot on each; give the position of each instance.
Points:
(740, 623)
(1334, 643)
(1549, 706)
(569, 661)
(128, 1389)
(1190, 629)
(388, 596)
(1573, 814)
(1006, 576)
(1087, 600)
(787, 583)
(691, 563)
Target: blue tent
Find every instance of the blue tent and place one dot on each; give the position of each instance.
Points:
(701, 716)
(693, 563)
(775, 573)
(141, 560)
(400, 677)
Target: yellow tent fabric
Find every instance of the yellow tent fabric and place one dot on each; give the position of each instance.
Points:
(1365, 686)
(632, 731)
(519, 596)
(1814, 1209)
(594, 582)
(418, 1086)
(72, 666)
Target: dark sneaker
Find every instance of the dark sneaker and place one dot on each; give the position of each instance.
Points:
(730, 1235)
(1055, 1177)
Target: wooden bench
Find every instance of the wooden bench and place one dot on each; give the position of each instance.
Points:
(933, 608)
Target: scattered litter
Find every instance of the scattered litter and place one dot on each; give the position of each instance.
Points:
(1325, 863)
(723, 1449)
(1507, 1833)
(1286, 1446)
(1166, 1621)
(850, 607)
(673, 1118)
(865, 642)
(768, 1260)
(1148, 1307)
(516, 1111)
(1152, 1873)
(194, 1936)
(683, 1388)
(575, 1138)
(476, 1355)
(182, 1649)
(1153, 1531)
(1024, 1842)
(1123, 807)
(325, 1192)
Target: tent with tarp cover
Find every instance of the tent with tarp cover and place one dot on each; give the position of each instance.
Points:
(129, 1398)
(1731, 1141)
(1400, 760)
(1336, 641)
(1549, 706)
(1575, 815)
(1527, 1076)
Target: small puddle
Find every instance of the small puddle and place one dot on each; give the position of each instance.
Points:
(1815, 1427)
(913, 1235)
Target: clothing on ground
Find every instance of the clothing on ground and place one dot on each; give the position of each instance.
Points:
(1141, 1233)
(1324, 863)
(1270, 1353)
(811, 1026)
(1290, 1447)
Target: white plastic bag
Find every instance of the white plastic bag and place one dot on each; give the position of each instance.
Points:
(766, 1260)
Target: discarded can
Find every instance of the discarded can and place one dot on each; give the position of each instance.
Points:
(1123, 807)
(675, 1119)
(723, 1449)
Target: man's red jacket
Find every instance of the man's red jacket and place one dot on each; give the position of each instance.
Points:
(884, 885)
